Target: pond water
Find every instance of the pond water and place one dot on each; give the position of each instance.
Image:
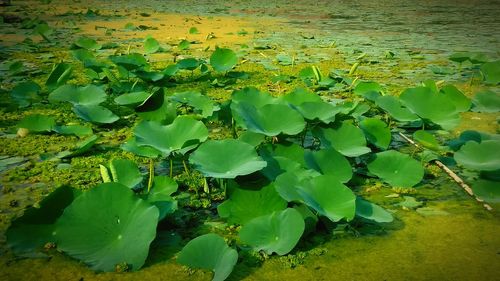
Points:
(443, 235)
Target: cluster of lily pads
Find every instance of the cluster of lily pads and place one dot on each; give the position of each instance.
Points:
(287, 168)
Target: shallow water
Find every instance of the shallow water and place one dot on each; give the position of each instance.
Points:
(448, 237)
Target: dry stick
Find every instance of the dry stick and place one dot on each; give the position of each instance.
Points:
(452, 175)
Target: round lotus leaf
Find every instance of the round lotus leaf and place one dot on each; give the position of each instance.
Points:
(125, 172)
(106, 226)
(369, 90)
(144, 150)
(459, 100)
(328, 197)
(346, 138)
(486, 101)
(264, 120)
(426, 139)
(377, 132)
(484, 156)
(95, 114)
(244, 205)
(396, 168)
(486, 190)
(151, 45)
(491, 72)
(77, 130)
(253, 96)
(394, 107)
(189, 64)
(130, 61)
(201, 104)
(211, 252)
(59, 75)
(26, 93)
(226, 159)
(288, 183)
(278, 232)
(37, 123)
(87, 95)
(300, 96)
(223, 59)
(87, 43)
(330, 162)
(132, 99)
(435, 107)
(184, 134)
(370, 211)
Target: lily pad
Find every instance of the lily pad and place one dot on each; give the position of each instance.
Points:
(486, 190)
(263, 119)
(132, 99)
(277, 232)
(377, 132)
(437, 108)
(106, 226)
(329, 162)
(201, 104)
(246, 204)
(311, 106)
(211, 252)
(328, 197)
(29, 233)
(484, 156)
(59, 75)
(87, 43)
(37, 123)
(77, 130)
(130, 61)
(346, 138)
(160, 195)
(184, 134)
(145, 151)
(188, 64)
(486, 101)
(87, 95)
(426, 139)
(396, 168)
(491, 72)
(223, 59)
(459, 100)
(26, 93)
(95, 114)
(369, 90)
(226, 159)
(370, 211)
(125, 172)
(394, 107)
(151, 45)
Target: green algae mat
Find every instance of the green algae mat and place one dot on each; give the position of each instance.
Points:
(249, 141)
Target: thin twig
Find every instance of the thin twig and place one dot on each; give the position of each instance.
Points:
(452, 175)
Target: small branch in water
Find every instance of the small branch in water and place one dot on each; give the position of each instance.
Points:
(452, 175)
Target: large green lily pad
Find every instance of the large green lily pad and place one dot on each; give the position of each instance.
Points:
(87, 95)
(394, 107)
(484, 156)
(486, 101)
(223, 59)
(491, 72)
(211, 252)
(26, 93)
(184, 134)
(396, 168)
(226, 159)
(329, 162)
(95, 114)
(377, 132)
(277, 232)
(486, 190)
(37, 123)
(106, 226)
(371, 211)
(346, 138)
(246, 204)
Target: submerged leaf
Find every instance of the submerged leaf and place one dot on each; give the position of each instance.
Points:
(277, 232)
(210, 252)
(87, 95)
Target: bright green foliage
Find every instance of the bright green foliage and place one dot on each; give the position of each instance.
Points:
(87, 43)
(37, 123)
(80, 148)
(87, 95)
(491, 72)
(370, 211)
(184, 45)
(26, 93)
(246, 204)
(456, 97)
(396, 168)
(188, 64)
(369, 90)
(346, 138)
(145, 151)
(160, 195)
(277, 232)
(329, 162)
(130, 62)
(486, 101)
(288, 183)
(193, 30)
(377, 132)
(106, 226)
(95, 113)
(426, 139)
(328, 197)
(132, 99)
(59, 75)
(28, 234)
(211, 252)
(201, 104)
(76, 130)
(486, 190)
(125, 172)
(223, 59)
(265, 120)
(394, 107)
(484, 156)
(151, 46)
(226, 159)
(434, 107)
(311, 106)
(184, 134)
